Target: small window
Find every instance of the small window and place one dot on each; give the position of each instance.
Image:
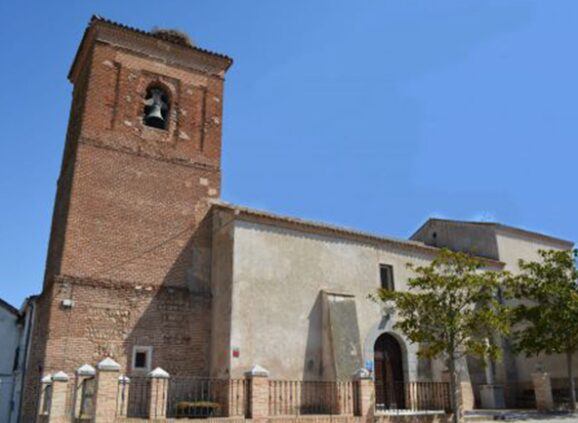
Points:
(16, 359)
(386, 277)
(156, 110)
(141, 358)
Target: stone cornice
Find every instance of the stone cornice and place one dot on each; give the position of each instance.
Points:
(126, 285)
(149, 44)
(181, 162)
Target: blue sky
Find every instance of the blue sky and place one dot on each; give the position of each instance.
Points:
(370, 114)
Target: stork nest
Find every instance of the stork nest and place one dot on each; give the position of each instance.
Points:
(174, 36)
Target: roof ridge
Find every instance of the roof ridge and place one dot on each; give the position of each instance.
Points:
(335, 228)
(98, 18)
(502, 226)
(9, 307)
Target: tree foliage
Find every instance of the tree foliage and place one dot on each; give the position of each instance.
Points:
(452, 307)
(546, 319)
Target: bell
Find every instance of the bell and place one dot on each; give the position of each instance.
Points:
(155, 105)
(155, 117)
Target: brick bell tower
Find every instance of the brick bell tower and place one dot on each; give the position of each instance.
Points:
(128, 267)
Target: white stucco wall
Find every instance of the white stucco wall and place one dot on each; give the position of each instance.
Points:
(278, 274)
(221, 290)
(513, 247)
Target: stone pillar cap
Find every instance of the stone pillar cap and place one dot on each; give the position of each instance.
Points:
(361, 374)
(124, 379)
(159, 373)
(60, 377)
(86, 370)
(46, 379)
(108, 364)
(258, 371)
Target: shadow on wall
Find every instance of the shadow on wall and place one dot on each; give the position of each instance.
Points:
(313, 364)
(175, 323)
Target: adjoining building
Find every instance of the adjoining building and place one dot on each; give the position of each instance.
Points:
(15, 330)
(148, 266)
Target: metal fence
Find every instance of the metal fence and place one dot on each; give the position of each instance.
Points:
(195, 397)
(238, 397)
(310, 397)
(136, 396)
(520, 396)
(412, 396)
(85, 399)
(561, 392)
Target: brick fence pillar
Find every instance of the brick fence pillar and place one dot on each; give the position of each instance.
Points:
(467, 396)
(159, 387)
(105, 391)
(543, 391)
(44, 400)
(58, 411)
(259, 393)
(365, 393)
(122, 396)
(83, 374)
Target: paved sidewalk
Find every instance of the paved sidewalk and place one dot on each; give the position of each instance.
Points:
(530, 416)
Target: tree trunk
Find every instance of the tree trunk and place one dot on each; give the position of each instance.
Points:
(455, 391)
(571, 382)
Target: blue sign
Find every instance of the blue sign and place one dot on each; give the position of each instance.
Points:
(369, 365)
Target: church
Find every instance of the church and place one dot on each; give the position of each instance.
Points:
(148, 266)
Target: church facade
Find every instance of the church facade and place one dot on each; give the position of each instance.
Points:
(148, 266)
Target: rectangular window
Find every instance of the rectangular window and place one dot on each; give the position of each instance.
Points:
(386, 277)
(141, 358)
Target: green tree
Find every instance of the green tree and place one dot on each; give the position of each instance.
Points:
(546, 317)
(451, 309)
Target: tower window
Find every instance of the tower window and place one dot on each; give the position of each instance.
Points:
(386, 277)
(141, 358)
(156, 109)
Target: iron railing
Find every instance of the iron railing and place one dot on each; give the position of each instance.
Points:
(310, 397)
(412, 396)
(519, 396)
(136, 395)
(195, 397)
(561, 392)
(85, 399)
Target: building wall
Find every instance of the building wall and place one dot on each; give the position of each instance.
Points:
(478, 240)
(222, 293)
(135, 258)
(278, 275)
(10, 336)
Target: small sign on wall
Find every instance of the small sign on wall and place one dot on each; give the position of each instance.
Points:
(369, 365)
(236, 352)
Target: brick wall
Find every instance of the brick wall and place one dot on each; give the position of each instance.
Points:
(130, 243)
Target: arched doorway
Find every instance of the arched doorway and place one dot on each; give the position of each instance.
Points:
(388, 361)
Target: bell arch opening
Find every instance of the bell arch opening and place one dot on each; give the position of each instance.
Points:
(156, 107)
(389, 373)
